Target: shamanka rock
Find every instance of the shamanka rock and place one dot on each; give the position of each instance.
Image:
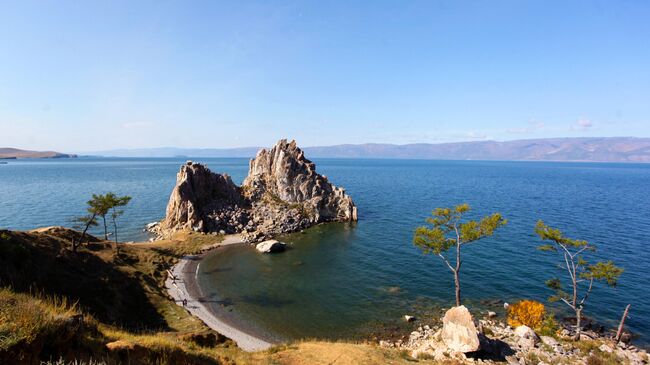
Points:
(458, 331)
(282, 193)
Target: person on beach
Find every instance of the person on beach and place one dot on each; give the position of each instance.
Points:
(184, 302)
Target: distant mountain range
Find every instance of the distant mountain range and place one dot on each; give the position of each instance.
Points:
(14, 153)
(609, 149)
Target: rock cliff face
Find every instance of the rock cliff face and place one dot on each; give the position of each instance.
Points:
(282, 193)
(204, 201)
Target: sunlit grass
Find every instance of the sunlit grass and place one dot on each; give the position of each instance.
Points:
(24, 317)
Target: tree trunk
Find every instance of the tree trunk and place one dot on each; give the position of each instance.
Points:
(622, 324)
(105, 228)
(83, 234)
(578, 324)
(457, 274)
(457, 281)
(115, 233)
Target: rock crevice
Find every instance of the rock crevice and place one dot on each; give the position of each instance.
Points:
(282, 193)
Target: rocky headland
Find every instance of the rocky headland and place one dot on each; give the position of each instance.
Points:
(282, 193)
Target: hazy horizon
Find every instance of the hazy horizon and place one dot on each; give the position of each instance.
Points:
(120, 75)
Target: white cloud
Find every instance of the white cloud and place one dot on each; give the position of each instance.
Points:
(581, 125)
(585, 123)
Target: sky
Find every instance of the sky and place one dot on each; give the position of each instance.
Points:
(94, 75)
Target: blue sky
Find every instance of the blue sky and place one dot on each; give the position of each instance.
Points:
(86, 76)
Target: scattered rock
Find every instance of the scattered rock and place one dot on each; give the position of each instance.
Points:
(491, 314)
(605, 348)
(408, 318)
(506, 345)
(550, 341)
(119, 345)
(271, 246)
(526, 332)
(458, 331)
(151, 227)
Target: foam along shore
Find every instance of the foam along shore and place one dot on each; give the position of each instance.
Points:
(186, 287)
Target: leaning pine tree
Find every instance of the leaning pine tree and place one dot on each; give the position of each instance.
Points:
(449, 231)
(580, 272)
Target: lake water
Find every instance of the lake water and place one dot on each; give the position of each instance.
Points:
(340, 280)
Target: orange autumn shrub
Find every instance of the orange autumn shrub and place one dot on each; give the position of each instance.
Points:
(527, 312)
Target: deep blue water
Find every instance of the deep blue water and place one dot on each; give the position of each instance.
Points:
(335, 277)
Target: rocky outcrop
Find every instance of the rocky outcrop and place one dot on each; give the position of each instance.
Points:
(204, 201)
(282, 193)
(287, 194)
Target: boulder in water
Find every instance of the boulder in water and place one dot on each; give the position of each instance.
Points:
(270, 246)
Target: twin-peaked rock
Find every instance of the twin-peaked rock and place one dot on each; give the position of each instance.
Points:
(282, 193)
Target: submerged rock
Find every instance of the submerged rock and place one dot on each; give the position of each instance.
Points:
(270, 246)
(282, 193)
(458, 330)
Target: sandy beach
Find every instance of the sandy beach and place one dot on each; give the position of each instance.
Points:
(186, 287)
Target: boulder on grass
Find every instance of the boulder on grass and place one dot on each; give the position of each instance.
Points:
(458, 330)
(270, 246)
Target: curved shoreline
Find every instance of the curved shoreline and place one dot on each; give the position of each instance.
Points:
(186, 287)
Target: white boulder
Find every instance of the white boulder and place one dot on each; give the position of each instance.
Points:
(458, 331)
(527, 333)
(270, 246)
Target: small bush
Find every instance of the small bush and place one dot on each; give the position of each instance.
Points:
(4, 236)
(527, 312)
(549, 326)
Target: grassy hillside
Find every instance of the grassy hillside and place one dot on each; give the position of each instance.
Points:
(108, 307)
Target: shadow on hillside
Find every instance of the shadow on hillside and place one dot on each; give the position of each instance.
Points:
(40, 263)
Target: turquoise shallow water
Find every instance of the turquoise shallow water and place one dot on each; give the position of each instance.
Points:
(337, 279)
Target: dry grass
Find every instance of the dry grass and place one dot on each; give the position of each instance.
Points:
(341, 353)
(24, 318)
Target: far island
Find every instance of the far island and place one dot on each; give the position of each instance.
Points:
(7, 153)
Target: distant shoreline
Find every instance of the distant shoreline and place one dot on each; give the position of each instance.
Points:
(186, 287)
(572, 149)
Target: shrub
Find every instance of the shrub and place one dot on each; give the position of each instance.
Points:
(527, 312)
(4, 236)
(549, 326)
